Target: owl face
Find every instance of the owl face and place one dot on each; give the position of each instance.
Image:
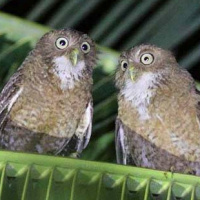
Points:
(72, 45)
(69, 55)
(143, 59)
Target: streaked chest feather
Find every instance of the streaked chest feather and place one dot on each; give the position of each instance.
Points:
(56, 114)
(140, 92)
(67, 73)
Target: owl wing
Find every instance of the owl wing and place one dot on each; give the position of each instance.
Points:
(81, 137)
(122, 151)
(9, 95)
(84, 130)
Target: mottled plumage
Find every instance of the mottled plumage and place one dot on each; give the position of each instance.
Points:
(159, 111)
(46, 106)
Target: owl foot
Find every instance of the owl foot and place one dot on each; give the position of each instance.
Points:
(189, 171)
(75, 155)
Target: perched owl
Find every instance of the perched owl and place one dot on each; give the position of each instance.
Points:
(46, 106)
(159, 111)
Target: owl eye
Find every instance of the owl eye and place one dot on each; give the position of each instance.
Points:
(85, 47)
(61, 43)
(124, 65)
(147, 58)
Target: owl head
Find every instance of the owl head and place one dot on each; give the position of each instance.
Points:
(143, 61)
(67, 44)
(67, 54)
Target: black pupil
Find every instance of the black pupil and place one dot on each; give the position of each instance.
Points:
(62, 43)
(125, 65)
(85, 47)
(146, 58)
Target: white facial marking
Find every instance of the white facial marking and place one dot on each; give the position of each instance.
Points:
(66, 72)
(14, 99)
(139, 93)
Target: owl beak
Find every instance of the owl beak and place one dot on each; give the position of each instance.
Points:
(132, 72)
(74, 56)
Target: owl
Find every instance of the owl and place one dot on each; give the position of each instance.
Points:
(46, 106)
(158, 123)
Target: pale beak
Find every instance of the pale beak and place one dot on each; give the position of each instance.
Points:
(74, 56)
(132, 72)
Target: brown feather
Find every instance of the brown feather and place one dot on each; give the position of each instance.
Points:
(161, 110)
(44, 117)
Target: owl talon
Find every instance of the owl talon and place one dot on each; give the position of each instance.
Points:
(75, 155)
(189, 171)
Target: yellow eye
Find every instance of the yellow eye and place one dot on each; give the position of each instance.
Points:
(124, 65)
(61, 43)
(85, 47)
(147, 58)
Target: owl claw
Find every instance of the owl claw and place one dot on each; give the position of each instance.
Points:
(189, 171)
(75, 155)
